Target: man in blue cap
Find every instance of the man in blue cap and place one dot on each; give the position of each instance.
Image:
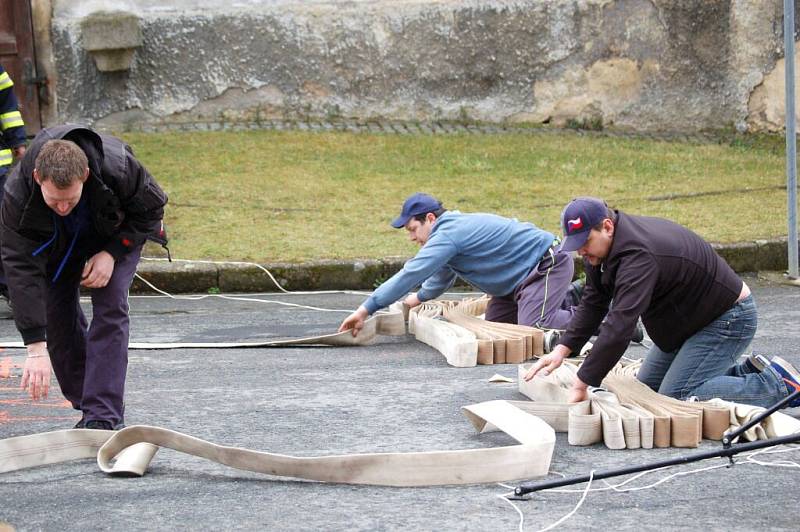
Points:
(698, 312)
(516, 263)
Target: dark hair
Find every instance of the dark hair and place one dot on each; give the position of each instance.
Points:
(610, 214)
(61, 161)
(421, 217)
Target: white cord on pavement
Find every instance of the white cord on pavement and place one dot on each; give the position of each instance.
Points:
(269, 274)
(237, 298)
(504, 496)
(580, 503)
(748, 459)
(272, 278)
(275, 282)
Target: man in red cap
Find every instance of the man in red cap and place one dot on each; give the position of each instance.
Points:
(698, 312)
(516, 263)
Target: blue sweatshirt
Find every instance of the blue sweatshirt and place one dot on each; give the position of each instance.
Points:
(492, 253)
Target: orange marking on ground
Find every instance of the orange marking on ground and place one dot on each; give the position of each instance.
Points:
(6, 367)
(25, 401)
(19, 407)
(17, 419)
(12, 401)
(64, 404)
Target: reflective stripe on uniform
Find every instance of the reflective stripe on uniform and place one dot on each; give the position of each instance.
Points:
(12, 119)
(5, 81)
(6, 158)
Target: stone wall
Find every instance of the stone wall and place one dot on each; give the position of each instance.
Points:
(643, 65)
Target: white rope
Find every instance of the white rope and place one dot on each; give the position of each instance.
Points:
(748, 459)
(276, 283)
(504, 496)
(616, 487)
(236, 298)
(580, 503)
(784, 449)
(269, 274)
(272, 278)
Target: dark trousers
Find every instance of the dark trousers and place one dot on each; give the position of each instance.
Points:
(3, 176)
(91, 362)
(539, 299)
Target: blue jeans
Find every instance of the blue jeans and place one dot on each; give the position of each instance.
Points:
(705, 366)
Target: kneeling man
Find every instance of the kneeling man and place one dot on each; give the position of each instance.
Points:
(516, 263)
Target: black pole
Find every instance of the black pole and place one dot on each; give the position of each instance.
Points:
(727, 439)
(728, 451)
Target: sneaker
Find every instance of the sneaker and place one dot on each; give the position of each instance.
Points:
(790, 376)
(550, 342)
(757, 362)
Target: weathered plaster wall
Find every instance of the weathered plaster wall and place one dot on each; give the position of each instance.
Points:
(633, 64)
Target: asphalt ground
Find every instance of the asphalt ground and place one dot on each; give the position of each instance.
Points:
(396, 395)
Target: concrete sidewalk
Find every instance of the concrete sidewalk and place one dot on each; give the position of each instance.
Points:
(395, 395)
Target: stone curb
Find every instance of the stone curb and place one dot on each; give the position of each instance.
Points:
(397, 127)
(189, 277)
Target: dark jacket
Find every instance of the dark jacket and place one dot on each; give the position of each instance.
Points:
(126, 208)
(655, 269)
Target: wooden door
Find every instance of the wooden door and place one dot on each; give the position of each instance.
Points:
(17, 57)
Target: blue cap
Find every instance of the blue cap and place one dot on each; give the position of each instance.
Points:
(578, 218)
(418, 203)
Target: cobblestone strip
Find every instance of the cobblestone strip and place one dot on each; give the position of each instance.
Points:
(389, 127)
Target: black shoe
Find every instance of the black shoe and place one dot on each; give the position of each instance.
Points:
(80, 424)
(638, 333)
(6, 308)
(98, 424)
(575, 292)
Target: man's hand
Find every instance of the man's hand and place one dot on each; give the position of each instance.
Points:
(355, 321)
(412, 301)
(19, 151)
(36, 372)
(98, 270)
(548, 363)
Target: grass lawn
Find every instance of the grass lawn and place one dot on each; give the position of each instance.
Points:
(271, 196)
